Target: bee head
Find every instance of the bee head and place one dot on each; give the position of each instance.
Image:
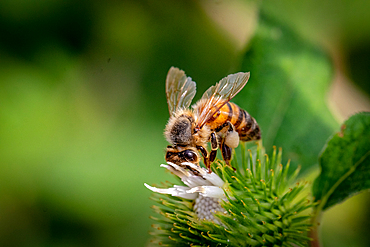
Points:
(178, 155)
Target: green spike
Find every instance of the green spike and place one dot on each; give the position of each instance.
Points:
(258, 170)
(217, 238)
(252, 178)
(251, 163)
(258, 153)
(271, 182)
(259, 206)
(181, 227)
(251, 242)
(193, 231)
(294, 176)
(278, 224)
(267, 167)
(273, 159)
(240, 182)
(297, 235)
(279, 155)
(259, 239)
(269, 238)
(270, 216)
(235, 161)
(248, 222)
(297, 242)
(182, 235)
(264, 189)
(295, 191)
(244, 160)
(304, 207)
(284, 180)
(271, 227)
(279, 173)
(250, 212)
(297, 220)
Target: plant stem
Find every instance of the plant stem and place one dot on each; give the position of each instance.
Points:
(314, 233)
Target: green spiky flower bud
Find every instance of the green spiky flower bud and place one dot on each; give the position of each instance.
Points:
(257, 204)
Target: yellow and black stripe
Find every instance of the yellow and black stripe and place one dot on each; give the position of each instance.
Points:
(244, 124)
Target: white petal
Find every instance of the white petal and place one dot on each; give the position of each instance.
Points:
(179, 191)
(209, 178)
(175, 169)
(199, 169)
(187, 177)
(194, 181)
(208, 191)
(214, 179)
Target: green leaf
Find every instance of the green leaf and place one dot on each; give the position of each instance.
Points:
(345, 162)
(287, 92)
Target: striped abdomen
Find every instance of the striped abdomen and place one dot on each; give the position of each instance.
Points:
(244, 124)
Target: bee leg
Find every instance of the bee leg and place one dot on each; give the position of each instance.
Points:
(226, 153)
(205, 156)
(209, 158)
(226, 128)
(214, 146)
(212, 157)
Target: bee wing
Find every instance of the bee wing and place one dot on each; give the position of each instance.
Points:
(180, 90)
(219, 94)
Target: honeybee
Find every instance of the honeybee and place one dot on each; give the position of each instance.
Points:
(213, 119)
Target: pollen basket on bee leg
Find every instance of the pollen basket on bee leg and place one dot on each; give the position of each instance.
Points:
(232, 139)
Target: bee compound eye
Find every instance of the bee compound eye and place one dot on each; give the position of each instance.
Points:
(190, 155)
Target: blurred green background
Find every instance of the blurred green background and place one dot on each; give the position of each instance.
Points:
(83, 107)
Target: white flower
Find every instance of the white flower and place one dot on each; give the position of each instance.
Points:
(203, 187)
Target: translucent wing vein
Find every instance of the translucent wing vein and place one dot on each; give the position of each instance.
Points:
(218, 95)
(180, 90)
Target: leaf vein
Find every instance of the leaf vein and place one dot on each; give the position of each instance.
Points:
(341, 179)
